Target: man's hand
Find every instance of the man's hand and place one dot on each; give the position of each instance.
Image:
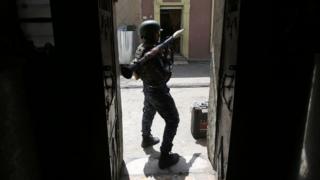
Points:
(135, 76)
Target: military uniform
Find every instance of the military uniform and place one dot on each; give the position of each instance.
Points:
(155, 73)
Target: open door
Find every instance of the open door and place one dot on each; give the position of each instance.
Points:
(111, 85)
(226, 87)
(226, 23)
(170, 20)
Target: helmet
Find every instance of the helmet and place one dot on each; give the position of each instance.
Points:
(148, 28)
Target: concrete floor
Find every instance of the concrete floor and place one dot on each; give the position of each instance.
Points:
(142, 163)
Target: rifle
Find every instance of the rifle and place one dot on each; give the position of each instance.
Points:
(127, 71)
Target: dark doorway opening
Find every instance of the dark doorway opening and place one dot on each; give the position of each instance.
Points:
(170, 21)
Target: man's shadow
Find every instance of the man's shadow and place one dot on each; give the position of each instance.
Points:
(151, 168)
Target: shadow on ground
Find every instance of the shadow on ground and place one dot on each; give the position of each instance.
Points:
(181, 169)
(188, 167)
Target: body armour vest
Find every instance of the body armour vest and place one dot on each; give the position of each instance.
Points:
(156, 71)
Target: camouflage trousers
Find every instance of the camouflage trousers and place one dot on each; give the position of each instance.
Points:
(160, 100)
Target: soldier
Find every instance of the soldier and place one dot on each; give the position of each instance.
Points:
(155, 73)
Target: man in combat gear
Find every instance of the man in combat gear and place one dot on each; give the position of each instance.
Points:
(155, 73)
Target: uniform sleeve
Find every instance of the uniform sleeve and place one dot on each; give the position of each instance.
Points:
(138, 55)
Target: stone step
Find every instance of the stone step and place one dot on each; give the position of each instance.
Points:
(189, 167)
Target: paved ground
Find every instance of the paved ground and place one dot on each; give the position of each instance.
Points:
(190, 83)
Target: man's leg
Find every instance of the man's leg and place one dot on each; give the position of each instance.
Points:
(147, 118)
(170, 114)
(166, 107)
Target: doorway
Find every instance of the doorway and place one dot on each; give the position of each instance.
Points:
(189, 84)
(170, 21)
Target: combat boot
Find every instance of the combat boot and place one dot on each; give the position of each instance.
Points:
(168, 159)
(149, 141)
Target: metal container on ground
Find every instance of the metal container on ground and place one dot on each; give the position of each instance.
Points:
(199, 119)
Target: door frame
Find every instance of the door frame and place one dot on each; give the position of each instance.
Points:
(184, 5)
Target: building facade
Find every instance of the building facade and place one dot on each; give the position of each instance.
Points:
(191, 15)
